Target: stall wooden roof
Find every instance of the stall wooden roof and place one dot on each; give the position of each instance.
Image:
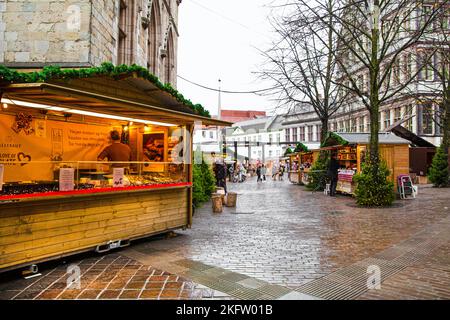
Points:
(130, 96)
(335, 139)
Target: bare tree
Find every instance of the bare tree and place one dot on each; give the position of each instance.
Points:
(370, 40)
(302, 64)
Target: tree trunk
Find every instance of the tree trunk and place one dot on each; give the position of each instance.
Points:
(324, 129)
(446, 122)
(374, 93)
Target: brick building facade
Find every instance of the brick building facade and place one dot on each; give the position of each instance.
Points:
(83, 33)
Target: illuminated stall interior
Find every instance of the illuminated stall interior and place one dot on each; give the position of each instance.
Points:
(57, 198)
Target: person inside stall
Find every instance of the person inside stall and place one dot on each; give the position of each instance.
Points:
(333, 174)
(116, 151)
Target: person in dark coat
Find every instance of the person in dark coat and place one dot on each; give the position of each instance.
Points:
(258, 173)
(333, 168)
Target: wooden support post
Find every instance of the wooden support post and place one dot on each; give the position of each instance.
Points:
(190, 129)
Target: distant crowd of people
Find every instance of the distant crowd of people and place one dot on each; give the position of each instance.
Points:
(237, 172)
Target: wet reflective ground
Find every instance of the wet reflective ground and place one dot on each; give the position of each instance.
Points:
(280, 238)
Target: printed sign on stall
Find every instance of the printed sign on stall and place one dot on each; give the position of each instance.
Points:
(118, 174)
(66, 179)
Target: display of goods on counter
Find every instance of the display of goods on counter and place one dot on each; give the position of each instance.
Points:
(18, 188)
(346, 175)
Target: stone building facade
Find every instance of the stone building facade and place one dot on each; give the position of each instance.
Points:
(84, 33)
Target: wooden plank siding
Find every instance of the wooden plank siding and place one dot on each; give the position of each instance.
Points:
(38, 231)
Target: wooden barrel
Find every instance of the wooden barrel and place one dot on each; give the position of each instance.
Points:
(221, 192)
(217, 203)
(231, 199)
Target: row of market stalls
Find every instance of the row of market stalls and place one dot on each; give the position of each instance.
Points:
(56, 197)
(351, 150)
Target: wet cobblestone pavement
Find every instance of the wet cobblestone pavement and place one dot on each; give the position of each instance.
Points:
(280, 242)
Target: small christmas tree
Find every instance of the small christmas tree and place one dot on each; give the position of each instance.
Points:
(438, 174)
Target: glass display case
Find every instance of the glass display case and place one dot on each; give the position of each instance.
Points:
(47, 178)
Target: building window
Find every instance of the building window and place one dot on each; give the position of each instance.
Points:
(278, 138)
(169, 60)
(310, 133)
(427, 118)
(387, 119)
(408, 114)
(341, 126)
(302, 134)
(278, 153)
(204, 134)
(294, 134)
(153, 38)
(379, 121)
(270, 138)
(347, 125)
(425, 16)
(126, 32)
(361, 124)
(270, 153)
(397, 114)
(353, 125)
(427, 70)
(211, 135)
(287, 135)
(319, 132)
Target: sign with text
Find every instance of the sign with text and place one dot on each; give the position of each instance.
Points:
(50, 141)
(118, 174)
(66, 179)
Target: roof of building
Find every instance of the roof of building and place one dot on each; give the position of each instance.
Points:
(240, 115)
(335, 138)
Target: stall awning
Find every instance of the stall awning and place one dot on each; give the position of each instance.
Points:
(129, 96)
(411, 136)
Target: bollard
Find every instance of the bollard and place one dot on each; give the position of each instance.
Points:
(217, 203)
(231, 199)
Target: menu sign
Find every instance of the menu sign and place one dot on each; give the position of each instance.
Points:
(66, 179)
(118, 174)
(2, 168)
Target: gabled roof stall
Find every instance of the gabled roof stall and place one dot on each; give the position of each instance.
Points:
(87, 204)
(352, 149)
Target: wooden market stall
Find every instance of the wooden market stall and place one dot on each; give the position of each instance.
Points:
(302, 163)
(352, 148)
(56, 198)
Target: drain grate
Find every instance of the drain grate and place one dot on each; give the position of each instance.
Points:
(233, 276)
(248, 294)
(191, 264)
(274, 290)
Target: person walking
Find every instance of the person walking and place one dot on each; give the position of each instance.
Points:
(231, 173)
(281, 173)
(274, 172)
(264, 171)
(258, 173)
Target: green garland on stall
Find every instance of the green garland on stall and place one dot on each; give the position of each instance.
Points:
(300, 147)
(288, 152)
(105, 69)
(334, 136)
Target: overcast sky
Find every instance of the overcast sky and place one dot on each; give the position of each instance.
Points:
(218, 39)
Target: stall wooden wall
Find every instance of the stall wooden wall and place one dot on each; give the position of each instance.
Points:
(37, 231)
(397, 159)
